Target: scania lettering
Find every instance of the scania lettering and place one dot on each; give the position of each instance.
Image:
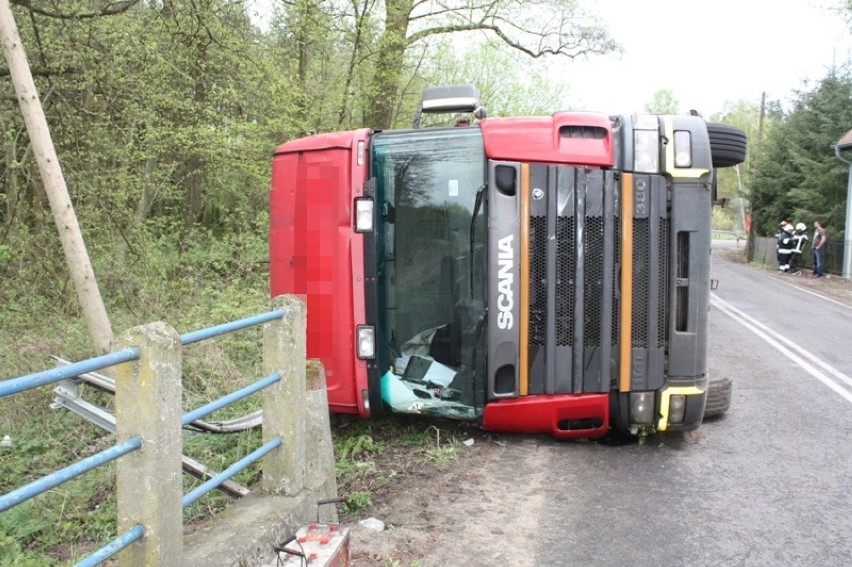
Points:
(505, 278)
(530, 274)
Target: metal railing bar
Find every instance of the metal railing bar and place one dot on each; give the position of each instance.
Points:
(72, 471)
(200, 335)
(106, 384)
(99, 381)
(90, 412)
(248, 421)
(207, 409)
(30, 381)
(197, 470)
(102, 418)
(255, 455)
(113, 547)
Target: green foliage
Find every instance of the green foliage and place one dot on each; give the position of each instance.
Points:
(645, 433)
(370, 454)
(722, 219)
(78, 511)
(81, 514)
(356, 501)
(442, 455)
(733, 182)
(444, 450)
(218, 452)
(164, 116)
(798, 177)
(353, 455)
(664, 102)
(509, 84)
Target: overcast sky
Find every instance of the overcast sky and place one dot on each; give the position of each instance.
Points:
(708, 52)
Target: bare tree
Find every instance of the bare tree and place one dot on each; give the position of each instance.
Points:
(537, 28)
(70, 11)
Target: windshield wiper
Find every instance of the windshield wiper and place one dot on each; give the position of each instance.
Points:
(480, 193)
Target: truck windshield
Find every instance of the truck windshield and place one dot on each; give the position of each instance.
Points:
(431, 251)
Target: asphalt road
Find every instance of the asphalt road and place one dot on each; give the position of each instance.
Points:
(767, 484)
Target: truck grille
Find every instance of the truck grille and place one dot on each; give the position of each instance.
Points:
(595, 291)
(643, 276)
(586, 304)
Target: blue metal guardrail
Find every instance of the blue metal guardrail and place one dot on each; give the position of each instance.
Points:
(56, 478)
(30, 381)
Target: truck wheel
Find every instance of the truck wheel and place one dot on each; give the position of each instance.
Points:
(718, 396)
(727, 144)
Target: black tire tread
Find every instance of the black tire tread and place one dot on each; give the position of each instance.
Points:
(718, 396)
(728, 144)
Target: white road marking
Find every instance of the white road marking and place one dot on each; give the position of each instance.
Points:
(785, 347)
(840, 303)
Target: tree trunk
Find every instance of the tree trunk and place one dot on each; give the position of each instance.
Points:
(360, 26)
(76, 255)
(385, 84)
(193, 168)
(11, 174)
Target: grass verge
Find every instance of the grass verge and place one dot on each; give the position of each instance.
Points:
(71, 521)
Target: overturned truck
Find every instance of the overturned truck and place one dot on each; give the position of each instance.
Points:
(532, 274)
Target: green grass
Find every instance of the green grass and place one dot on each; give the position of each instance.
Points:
(73, 520)
(189, 291)
(81, 514)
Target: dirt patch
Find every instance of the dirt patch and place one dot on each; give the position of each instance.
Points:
(429, 511)
(831, 285)
(418, 493)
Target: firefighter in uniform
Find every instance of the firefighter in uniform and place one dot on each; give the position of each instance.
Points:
(799, 238)
(785, 247)
(778, 242)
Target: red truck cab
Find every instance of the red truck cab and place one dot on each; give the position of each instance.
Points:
(535, 274)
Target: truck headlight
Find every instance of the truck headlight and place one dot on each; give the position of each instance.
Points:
(677, 408)
(363, 214)
(642, 408)
(646, 144)
(366, 341)
(647, 148)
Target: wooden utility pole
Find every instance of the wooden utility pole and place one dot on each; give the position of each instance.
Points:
(760, 124)
(76, 255)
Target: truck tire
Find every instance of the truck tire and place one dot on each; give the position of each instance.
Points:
(727, 144)
(718, 396)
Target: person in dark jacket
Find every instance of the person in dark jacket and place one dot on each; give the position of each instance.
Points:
(820, 240)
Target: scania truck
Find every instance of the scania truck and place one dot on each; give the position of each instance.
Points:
(531, 274)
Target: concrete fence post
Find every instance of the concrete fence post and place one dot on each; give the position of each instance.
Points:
(149, 484)
(320, 475)
(284, 402)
